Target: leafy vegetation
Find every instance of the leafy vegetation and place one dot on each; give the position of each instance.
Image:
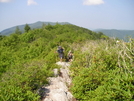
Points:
(27, 28)
(27, 59)
(35, 25)
(103, 71)
(17, 31)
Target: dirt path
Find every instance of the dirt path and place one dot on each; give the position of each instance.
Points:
(57, 89)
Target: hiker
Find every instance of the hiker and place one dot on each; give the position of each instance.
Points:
(70, 56)
(60, 51)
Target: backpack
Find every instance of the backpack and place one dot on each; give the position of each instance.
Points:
(70, 56)
(60, 50)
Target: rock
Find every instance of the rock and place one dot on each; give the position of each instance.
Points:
(47, 99)
(57, 83)
(58, 95)
(55, 72)
(63, 64)
(65, 75)
(43, 92)
(69, 96)
(57, 90)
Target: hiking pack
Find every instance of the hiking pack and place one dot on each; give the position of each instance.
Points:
(70, 56)
(60, 50)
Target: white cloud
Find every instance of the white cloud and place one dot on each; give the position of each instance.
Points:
(93, 2)
(31, 2)
(5, 1)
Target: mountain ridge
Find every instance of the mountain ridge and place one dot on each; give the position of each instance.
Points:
(117, 33)
(37, 24)
(121, 34)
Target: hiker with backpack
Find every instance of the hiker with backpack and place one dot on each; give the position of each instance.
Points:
(60, 51)
(70, 56)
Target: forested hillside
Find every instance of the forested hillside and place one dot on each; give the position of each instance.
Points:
(27, 59)
(102, 69)
(35, 25)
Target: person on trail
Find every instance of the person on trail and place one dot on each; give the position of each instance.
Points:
(70, 56)
(60, 51)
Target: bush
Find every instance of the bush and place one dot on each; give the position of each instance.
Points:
(103, 71)
(22, 82)
(27, 59)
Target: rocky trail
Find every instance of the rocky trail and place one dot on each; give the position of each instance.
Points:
(57, 89)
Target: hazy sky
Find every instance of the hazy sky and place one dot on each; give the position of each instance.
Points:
(92, 14)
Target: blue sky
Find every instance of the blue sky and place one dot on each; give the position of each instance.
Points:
(92, 14)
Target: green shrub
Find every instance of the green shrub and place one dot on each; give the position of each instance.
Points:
(27, 59)
(22, 82)
(103, 71)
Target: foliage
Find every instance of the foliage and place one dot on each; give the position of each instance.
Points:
(27, 28)
(103, 71)
(27, 59)
(20, 83)
(1, 37)
(17, 31)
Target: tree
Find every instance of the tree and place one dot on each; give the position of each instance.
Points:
(17, 31)
(1, 37)
(27, 28)
(49, 27)
(43, 25)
